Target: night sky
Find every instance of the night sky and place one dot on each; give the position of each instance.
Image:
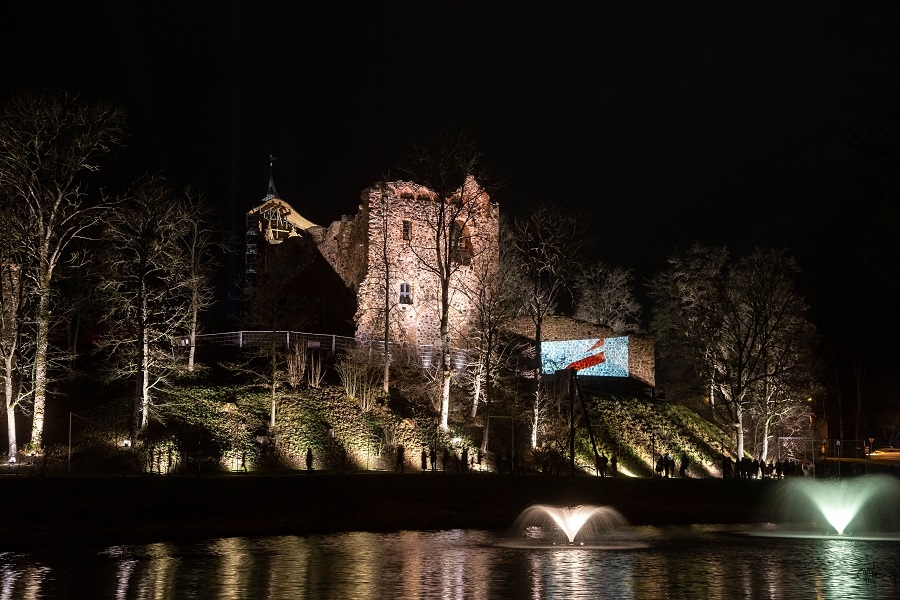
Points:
(726, 123)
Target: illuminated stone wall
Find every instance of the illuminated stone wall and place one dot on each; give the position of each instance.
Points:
(397, 219)
(399, 216)
(343, 244)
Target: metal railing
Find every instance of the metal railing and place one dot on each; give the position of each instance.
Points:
(282, 339)
(426, 354)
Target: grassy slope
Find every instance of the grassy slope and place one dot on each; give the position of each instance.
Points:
(226, 426)
(632, 426)
(341, 436)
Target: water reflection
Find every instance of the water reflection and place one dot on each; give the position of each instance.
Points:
(689, 562)
(25, 581)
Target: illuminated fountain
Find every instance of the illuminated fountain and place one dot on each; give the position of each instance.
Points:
(584, 525)
(859, 507)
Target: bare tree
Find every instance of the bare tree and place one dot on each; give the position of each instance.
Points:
(606, 298)
(47, 142)
(383, 270)
(450, 168)
(779, 403)
(743, 327)
(687, 319)
(296, 364)
(201, 242)
(358, 372)
(548, 244)
(12, 315)
(146, 288)
(773, 320)
(388, 296)
(274, 302)
(494, 293)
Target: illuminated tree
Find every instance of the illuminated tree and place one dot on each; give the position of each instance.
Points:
(783, 338)
(606, 298)
(384, 272)
(780, 400)
(451, 168)
(274, 302)
(201, 242)
(146, 288)
(495, 295)
(12, 315)
(388, 295)
(547, 244)
(740, 328)
(47, 144)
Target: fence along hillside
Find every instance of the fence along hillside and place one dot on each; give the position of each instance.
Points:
(335, 344)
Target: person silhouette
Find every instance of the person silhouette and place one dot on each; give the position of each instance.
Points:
(399, 467)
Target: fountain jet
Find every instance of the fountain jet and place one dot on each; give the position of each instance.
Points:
(870, 500)
(584, 522)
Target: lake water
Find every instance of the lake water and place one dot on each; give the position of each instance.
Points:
(674, 562)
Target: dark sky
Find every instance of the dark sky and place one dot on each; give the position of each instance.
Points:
(727, 123)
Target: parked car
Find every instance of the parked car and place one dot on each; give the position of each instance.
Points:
(886, 452)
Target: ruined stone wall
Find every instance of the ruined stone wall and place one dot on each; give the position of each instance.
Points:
(641, 348)
(344, 245)
(403, 215)
(416, 322)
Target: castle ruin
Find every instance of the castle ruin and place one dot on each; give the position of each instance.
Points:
(388, 255)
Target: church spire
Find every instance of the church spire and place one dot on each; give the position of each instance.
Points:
(272, 192)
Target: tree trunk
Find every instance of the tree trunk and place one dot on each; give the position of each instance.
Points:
(138, 385)
(42, 327)
(446, 367)
(145, 381)
(445, 399)
(11, 428)
(538, 381)
(476, 391)
(10, 406)
(142, 379)
(488, 363)
(385, 384)
(739, 430)
(273, 381)
(193, 338)
(765, 441)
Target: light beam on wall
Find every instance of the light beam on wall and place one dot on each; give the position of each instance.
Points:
(596, 357)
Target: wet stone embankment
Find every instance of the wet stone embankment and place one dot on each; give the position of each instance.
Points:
(56, 510)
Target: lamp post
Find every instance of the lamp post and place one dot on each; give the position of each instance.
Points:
(838, 442)
(869, 449)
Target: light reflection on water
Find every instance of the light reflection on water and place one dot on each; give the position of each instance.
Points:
(686, 562)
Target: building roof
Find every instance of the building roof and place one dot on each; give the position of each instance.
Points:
(286, 211)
